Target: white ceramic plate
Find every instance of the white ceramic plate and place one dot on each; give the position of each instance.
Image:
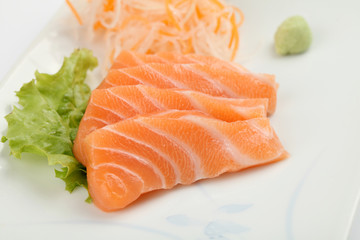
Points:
(311, 195)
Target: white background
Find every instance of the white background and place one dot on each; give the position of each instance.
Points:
(21, 21)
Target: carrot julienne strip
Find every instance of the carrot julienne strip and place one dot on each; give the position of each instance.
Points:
(241, 15)
(218, 3)
(171, 15)
(74, 12)
(234, 35)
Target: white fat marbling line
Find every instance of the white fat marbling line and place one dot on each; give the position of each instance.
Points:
(218, 85)
(194, 102)
(86, 118)
(238, 157)
(131, 104)
(135, 156)
(122, 184)
(108, 109)
(162, 76)
(156, 103)
(163, 155)
(122, 70)
(248, 110)
(138, 60)
(110, 83)
(129, 172)
(183, 146)
(267, 132)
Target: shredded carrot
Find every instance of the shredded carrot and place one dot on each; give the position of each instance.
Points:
(136, 45)
(226, 15)
(132, 18)
(171, 15)
(218, 3)
(241, 15)
(98, 25)
(198, 13)
(218, 23)
(109, 5)
(188, 46)
(166, 33)
(180, 2)
(236, 46)
(206, 27)
(234, 35)
(76, 14)
(233, 31)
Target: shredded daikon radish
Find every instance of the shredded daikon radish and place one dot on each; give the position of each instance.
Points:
(206, 27)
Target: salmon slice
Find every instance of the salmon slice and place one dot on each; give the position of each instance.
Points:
(145, 153)
(210, 79)
(132, 59)
(110, 105)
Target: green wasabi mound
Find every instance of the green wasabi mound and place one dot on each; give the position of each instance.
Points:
(293, 36)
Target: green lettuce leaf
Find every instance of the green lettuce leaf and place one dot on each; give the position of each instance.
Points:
(48, 116)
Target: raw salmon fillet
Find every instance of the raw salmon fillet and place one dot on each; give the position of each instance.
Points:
(132, 59)
(211, 79)
(110, 105)
(145, 153)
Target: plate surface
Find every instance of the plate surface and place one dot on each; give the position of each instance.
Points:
(311, 195)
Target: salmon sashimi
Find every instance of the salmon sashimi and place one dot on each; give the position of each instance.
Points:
(132, 59)
(210, 79)
(110, 105)
(146, 153)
